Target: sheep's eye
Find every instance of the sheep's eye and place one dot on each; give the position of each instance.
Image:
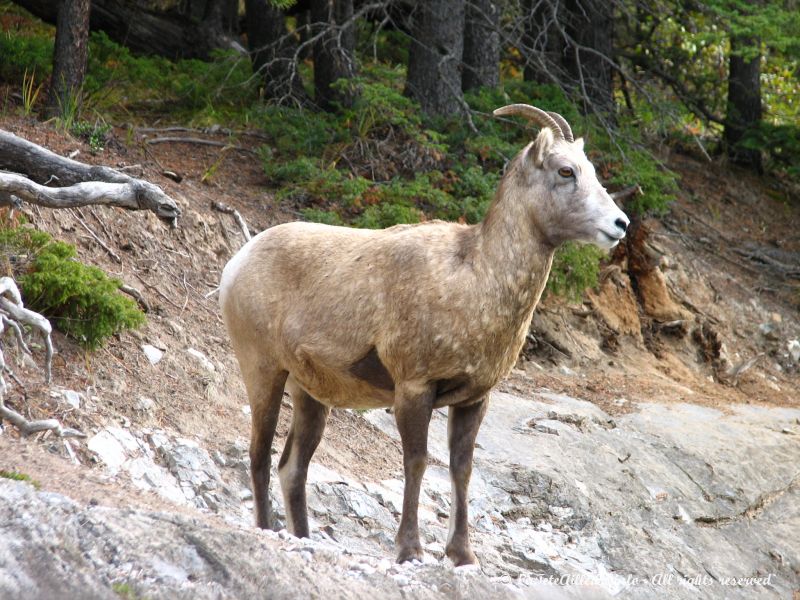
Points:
(566, 172)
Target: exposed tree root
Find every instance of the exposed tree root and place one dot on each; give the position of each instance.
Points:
(14, 316)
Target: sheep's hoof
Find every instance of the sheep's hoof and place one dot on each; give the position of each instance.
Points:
(462, 556)
(410, 553)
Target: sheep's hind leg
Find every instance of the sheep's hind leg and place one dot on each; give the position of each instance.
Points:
(462, 429)
(413, 407)
(265, 391)
(308, 423)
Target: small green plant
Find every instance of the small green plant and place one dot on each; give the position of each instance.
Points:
(94, 134)
(80, 300)
(69, 105)
(30, 94)
(17, 476)
(124, 591)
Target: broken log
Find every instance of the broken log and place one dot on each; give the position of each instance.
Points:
(33, 168)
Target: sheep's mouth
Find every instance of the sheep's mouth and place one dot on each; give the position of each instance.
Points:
(612, 239)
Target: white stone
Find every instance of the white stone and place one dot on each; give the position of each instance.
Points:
(202, 359)
(794, 349)
(144, 404)
(72, 398)
(153, 354)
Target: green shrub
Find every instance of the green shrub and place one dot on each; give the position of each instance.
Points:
(575, 269)
(781, 143)
(27, 52)
(80, 300)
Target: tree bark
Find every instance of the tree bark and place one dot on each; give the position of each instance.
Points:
(273, 52)
(590, 25)
(172, 35)
(70, 56)
(437, 44)
(543, 44)
(744, 100)
(334, 51)
(481, 45)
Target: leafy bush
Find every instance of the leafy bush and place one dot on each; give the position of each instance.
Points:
(80, 300)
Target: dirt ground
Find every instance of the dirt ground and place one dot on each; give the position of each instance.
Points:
(707, 321)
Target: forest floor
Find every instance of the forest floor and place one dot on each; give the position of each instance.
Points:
(712, 325)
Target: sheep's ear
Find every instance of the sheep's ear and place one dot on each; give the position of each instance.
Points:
(541, 147)
(579, 143)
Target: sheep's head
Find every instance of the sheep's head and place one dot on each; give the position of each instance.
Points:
(567, 201)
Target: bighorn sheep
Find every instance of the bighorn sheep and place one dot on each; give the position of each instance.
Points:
(415, 317)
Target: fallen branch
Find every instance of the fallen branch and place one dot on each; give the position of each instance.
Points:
(136, 295)
(237, 216)
(101, 185)
(190, 140)
(132, 195)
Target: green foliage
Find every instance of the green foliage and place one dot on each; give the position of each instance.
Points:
(575, 268)
(200, 91)
(80, 300)
(17, 476)
(125, 591)
(93, 133)
(30, 92)
(781, 144)
(25, 52)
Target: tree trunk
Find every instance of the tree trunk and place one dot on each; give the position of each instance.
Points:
(744, 100)
(434, 60)
(334, 51)
(172, 35)
(590, 25)
(70, 55)
(543, 44)
(481, 45)
(273, 51)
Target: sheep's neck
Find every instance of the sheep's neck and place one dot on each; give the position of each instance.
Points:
(514, 254)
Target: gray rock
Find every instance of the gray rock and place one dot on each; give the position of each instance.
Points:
(52, 547)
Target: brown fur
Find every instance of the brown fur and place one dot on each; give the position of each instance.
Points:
(414, 317)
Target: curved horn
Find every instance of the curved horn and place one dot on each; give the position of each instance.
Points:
(565, 128)
(536, 115)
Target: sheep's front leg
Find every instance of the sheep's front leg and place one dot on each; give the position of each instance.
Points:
(265, 390)
(412, 408)
(462, 429)
(308, 423)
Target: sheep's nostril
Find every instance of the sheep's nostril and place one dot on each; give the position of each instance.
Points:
(622, 224)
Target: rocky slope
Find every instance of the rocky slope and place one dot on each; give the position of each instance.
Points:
(646, 446)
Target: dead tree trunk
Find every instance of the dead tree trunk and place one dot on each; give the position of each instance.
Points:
(744, 101)
(481, 45)
(590, 50)
(434, 59)
(70, 55)
(334, 51)
(169, 34)
(273, 52)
